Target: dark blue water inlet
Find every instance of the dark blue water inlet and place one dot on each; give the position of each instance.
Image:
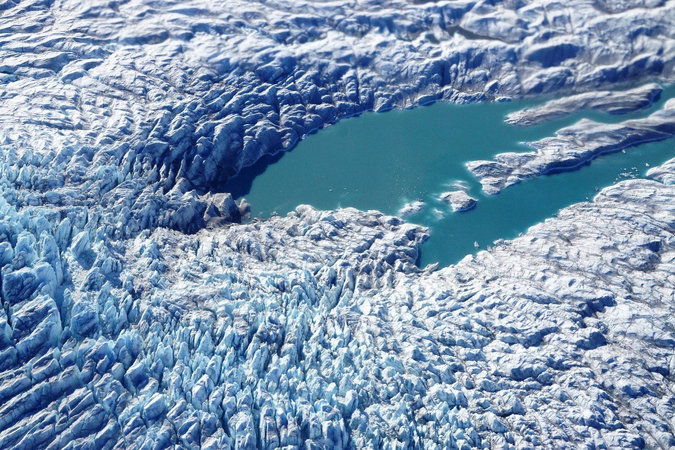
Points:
(382, 161)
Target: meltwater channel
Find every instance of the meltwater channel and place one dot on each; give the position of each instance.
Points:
(384, 160)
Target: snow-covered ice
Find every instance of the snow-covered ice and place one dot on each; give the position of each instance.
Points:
(136, 312)
(318, 328)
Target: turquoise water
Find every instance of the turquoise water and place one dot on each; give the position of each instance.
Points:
(383, 161)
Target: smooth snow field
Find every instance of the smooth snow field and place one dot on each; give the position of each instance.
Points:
(384, 161)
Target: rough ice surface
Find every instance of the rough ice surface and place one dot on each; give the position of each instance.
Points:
(137, 314)
(613, 102)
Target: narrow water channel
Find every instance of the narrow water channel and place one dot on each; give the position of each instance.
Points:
(383, 161)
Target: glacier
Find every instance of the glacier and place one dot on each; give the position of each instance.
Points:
(138, 312)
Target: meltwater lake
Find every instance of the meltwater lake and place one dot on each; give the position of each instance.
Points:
(384, 160)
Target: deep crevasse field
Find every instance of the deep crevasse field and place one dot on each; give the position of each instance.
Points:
(136, 316)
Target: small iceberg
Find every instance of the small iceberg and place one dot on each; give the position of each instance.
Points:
(411, 208)
(458, 200)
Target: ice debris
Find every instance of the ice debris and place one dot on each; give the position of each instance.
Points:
(411, 208)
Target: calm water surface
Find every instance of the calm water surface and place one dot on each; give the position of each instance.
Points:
(384, 160)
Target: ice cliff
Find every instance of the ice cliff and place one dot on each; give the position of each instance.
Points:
(138, 314)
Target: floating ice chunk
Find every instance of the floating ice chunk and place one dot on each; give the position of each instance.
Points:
(410, 209)
(459, 200)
